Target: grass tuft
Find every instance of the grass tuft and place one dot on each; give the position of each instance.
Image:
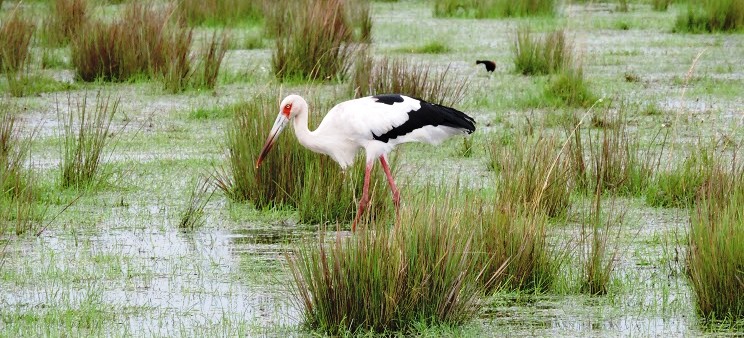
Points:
(677, 186)
(532, 177)
(422, 273)
(18, 212)
(568, 88)
(84, 138)
(398, 76)
(192, 216)
(708, 16)
(64, 21)
(147, 41)
(715, 253)
(661, 5)
(550, 54)
(16, 31)
(616, 162)
(493, 8)
(313, 40)
(221, 12)
(597, 253)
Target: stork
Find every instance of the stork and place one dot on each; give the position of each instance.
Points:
(376, 124)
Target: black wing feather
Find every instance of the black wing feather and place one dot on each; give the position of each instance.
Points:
(430, 114)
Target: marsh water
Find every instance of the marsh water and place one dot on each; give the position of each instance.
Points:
(116, 263)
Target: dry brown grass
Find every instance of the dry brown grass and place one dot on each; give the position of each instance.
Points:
(16, 32)
(65, 20)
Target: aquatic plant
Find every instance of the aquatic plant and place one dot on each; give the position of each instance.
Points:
(553, 53)
(64, 20)
(531, 175)
(17, 182)
(210, 60)
(715, 251)
(676, 185)
(313, 41)
(385, 75)
(192, 215)
(598, 251)
(221, 12)
(85, 135)
(569, 88)
(16, 31)
(425, 273)
(493, 8)
(612, 157)
(711, 16)
(661, 5)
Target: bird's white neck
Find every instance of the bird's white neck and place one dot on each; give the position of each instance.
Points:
(306, 137)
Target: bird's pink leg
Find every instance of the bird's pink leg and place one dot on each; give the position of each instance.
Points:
(393, 188)
(365, 195)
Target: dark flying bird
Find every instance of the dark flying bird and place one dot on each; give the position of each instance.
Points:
(376, 124)
(490, 65)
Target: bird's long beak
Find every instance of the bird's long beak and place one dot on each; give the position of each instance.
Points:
(279, 124)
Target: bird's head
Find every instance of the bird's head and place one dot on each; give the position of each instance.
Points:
(288, 109)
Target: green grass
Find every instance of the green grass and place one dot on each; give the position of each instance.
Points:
(599, 248)
(676, 185)
(85, 136)
(568, 89)
(715, 253)
(20, 212)
(661, 5)
(493, 8)
(552, 53)
(16, 31)
(532, 174)
(432, 47)
(612, 158)
(313, 41)
(221, 12)
(709, 16)
(146, 41)
(422, 273)
(64, 20)
(193, 215)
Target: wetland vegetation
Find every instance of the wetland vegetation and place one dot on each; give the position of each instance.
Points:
(602, 193)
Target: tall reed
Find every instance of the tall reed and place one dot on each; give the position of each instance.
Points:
(385, 281)
(598, 247)
(532, 175)
(147, 41)
(711, 16)
(422, 81)
(18, 210)
(192, 215)
(16, 31)
(210, 60)
(676, 185)
(549, 54)
(313, 43)
(611, 157)
(515, 248)
(715, 252)
(84, 136)
(65, 19)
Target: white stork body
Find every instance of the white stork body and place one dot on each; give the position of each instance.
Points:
(376, 124)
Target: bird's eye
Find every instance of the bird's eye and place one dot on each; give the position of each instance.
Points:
(288, 106)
